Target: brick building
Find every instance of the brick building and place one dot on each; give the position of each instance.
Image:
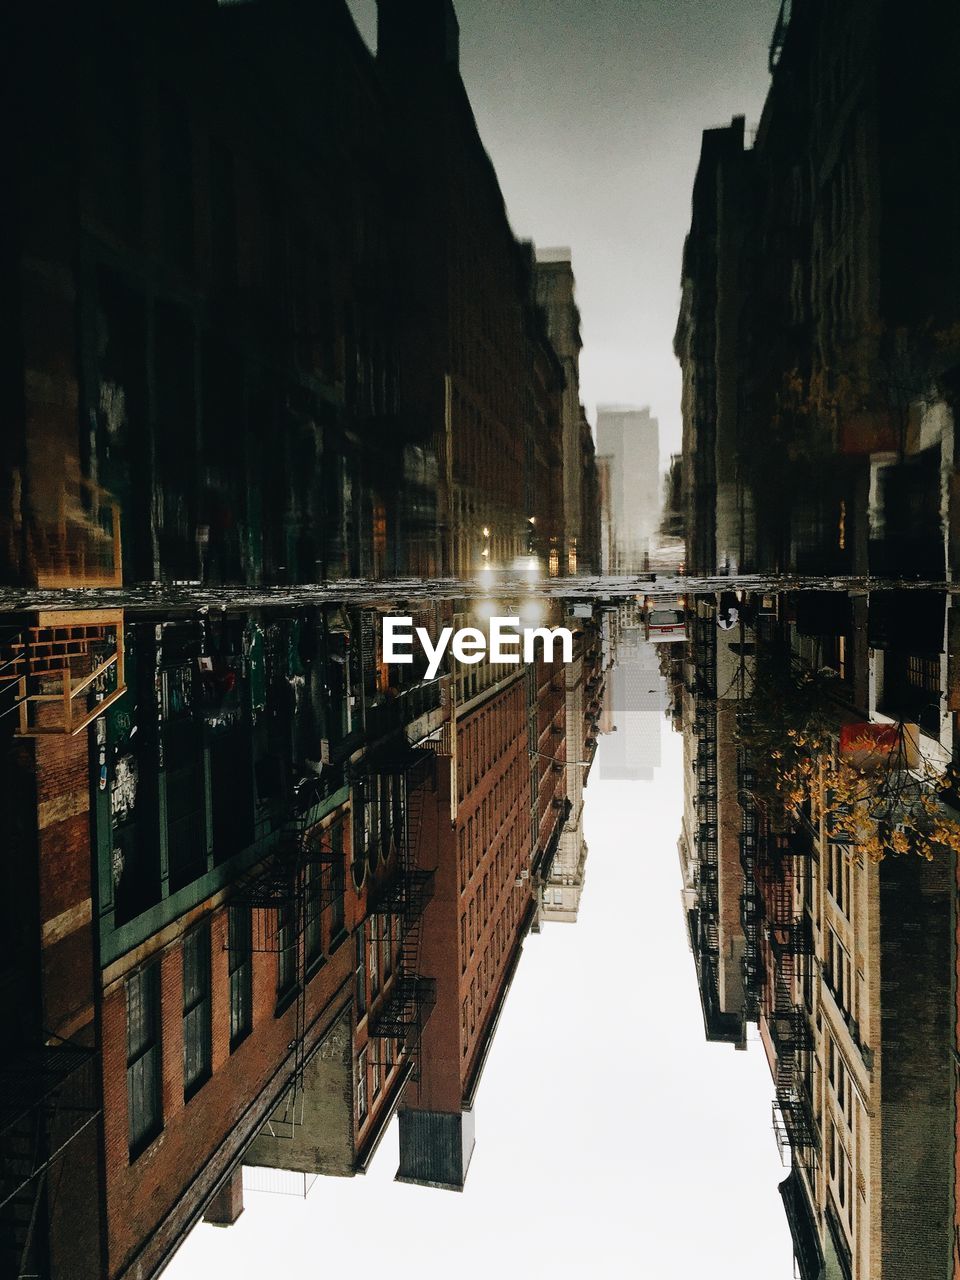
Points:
(477, 361)
(562, 875)
(474, 926)
(250, 344)
(846, 964)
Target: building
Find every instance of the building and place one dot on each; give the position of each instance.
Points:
(816, 332)
(556, 295)
(494, 823)
(636, 701)
(708, 344)
(846, 963)
(562, 876)
(471, 289)
(630, 438)
(232, 362)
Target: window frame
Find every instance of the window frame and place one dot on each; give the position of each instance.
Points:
(197, 1010)
(145, 1060)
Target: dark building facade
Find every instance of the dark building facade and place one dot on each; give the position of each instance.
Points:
(269, 327)
(819, 307)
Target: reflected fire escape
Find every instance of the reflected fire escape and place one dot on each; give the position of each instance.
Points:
(59, 674)
(705, 927)
(48, 1096)
(789, 937)
(276, 894)
(305, 866)
(412, 996)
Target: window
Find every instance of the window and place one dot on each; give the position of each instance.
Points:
(839, 972)
(362, 1086)
(375, 1076)
(337, 881)
(144, 1116)
(388, 922)
(374, 962)
(361, 973)
(196, 1009)
(239, 926)
(286, 950)
(313, 914)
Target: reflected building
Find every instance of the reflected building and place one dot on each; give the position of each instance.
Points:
(269, 890)
(848, 951)
(562, 876)
(272, 891)
(636, 703)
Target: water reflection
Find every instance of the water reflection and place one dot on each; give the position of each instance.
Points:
(818, 851)
(267, 890)
(270, 890)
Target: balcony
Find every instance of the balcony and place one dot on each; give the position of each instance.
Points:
(405, 1011)
(48, 1096)
(60, 674)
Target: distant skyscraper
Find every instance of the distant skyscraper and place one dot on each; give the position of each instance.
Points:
(630, 439)
(637, 697)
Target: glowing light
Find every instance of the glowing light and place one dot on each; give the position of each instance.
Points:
(487, 609)
(532, 613)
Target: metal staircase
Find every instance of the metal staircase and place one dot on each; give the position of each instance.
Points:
(48, 1096)
(407, 1006)
(59, 674)
(276, 894)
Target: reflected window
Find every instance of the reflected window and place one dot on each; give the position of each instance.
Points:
(145, 1119)
(196, 1009)
(240, 946)
(313, 913)
(361, 974)
(337, 884)
(362, 1086)
(286, 950)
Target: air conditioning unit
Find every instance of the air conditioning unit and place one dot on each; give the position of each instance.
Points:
(524, 875)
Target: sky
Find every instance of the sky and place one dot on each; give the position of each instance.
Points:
(611, 1138)
(592, 111)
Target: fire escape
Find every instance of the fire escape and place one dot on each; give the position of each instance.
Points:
(276, 894)
(790, 939)
(61, 673)
(49, 1097)
(408, 1003)
(708, 854)
(751, 907)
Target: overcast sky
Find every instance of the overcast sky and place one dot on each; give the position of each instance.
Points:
(592, 111)
(611, 1138)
